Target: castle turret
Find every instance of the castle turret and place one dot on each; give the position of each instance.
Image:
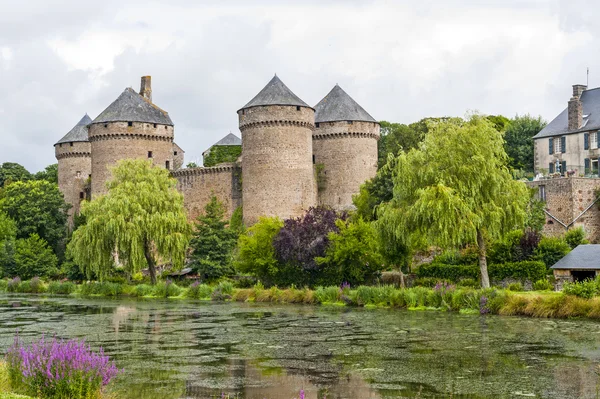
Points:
(74, 164)
(277, 171)
(344, 148)
(131, 127)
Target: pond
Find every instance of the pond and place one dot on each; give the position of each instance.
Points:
(184, 349)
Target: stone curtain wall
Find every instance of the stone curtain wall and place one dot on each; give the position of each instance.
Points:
(277, 169)
(178, 157)
(348, 153)
(198, 185)
(119, 141)
(74, 168)
(566, 199)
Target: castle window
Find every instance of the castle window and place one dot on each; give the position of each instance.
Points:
(297, 108)
(175, 153)
(129, 123)
(549, 222)
(78, 174)
(166, 127)
(106, 125)
(349, 122)
(155, 125)
(314, 159)
(71, 144)
(168, 165)
(81, 195)
(149, 154)
(317, 124)
(60, 145)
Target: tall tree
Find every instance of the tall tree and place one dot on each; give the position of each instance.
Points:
(37, 207)
(213, 242)
(13, 172)
(50, 173)
(519, 141)
(455, 189)
(140, 218)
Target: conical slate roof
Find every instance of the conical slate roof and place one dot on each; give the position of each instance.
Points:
(337, 105)
(230, 139)
(275, 93)
(131, 107)
(79, 131)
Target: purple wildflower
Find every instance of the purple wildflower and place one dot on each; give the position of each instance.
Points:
(483, 308)
(301, 394)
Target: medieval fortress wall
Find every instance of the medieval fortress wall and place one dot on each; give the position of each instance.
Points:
(288, 147)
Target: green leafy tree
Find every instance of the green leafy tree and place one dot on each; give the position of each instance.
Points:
(519, 140)
(455, 189)
(8, 235)
(212, 243)
(536, 217)
(236, 223)
(33, 257)
(50, 173)
(376, 191)
(353, 255)
(499, 122)
(12, 172)
(576, 237)
(191, 165)
(37, 207)
(256, 254)
(552, 249)
(141, 218)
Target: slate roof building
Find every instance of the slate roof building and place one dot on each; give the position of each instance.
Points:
(293, 156)
(580, 264)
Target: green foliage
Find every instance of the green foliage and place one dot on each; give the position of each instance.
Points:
(542, 285)
(61, 288)
(33, 257)
(37, 207)
(551, 250)
(499, 122)
(12, 172)
(468, 282)
(575, 237)
(527, 270)
(212, 243)
(236, 223)
(141, 290)
(50, 174)
(141, 217)
(327, 294)
(165, 289)
(519, 141)
(353, 255)
(256, 254)
(583, 289)
(455, 189)
(376, 191)
(222, 153)
(536, 217)
(191, 165)
(517, 287)
(199, 291)
(8, 227)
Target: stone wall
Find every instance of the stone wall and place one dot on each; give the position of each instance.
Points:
(348, 155)
(74, 169)
(178, 157)
(198, 185)
(568, 201)
(277, 169)
(114, 141)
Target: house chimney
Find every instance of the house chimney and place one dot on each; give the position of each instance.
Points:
(575, 108)
(146, 88)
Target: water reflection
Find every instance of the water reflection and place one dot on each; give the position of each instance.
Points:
(176, 349)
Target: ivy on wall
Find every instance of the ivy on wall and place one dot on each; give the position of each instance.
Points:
(222, 153)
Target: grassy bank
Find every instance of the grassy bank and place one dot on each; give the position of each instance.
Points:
(5, 389)
(443, 297)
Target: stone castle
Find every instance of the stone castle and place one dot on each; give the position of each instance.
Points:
(294, 156)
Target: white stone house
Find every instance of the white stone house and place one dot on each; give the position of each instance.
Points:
(569, 144)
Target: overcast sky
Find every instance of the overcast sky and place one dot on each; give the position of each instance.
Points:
(401, 60)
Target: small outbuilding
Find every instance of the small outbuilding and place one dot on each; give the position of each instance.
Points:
(580, 264)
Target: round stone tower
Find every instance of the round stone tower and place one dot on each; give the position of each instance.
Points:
(277, 171)
(344, 147)
(131, 127)
(74, 165)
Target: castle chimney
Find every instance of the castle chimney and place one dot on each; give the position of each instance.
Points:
(575, 108)
(146, 87)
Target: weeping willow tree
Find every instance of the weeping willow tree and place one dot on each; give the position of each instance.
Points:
(140, 219)
(455, 189)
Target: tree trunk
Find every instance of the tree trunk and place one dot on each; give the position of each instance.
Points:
(150, 261)
(485, 279)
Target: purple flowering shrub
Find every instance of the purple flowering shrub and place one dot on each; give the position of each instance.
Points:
(59, 369)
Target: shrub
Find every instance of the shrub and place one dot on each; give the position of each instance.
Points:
(199, 291)
(142, 290)
(219, 295)
(61, 288)
(110, 289)
(13, 285)
(448, 272)
(428, 282)
(3, 285)
(468, 282)
(59, 369)
(575, 237)
(165, 289)
(542, 285)
(226, 287)
(527, 270)
(33, 257)
(551, 250)
(327, 294)
(583, 289)
(515, 287)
